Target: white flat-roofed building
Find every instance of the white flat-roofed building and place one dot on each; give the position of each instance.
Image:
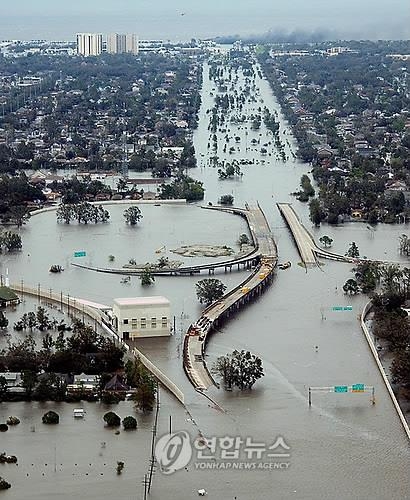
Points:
(136, 317)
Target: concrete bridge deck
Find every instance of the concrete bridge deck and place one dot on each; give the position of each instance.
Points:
(247, 261)
(197, 335)
(308, 250)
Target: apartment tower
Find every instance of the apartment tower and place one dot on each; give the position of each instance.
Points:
(89, 44)
(120, 43)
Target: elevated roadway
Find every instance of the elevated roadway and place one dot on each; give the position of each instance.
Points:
(247, 261)
(308, 250)
(197, 335)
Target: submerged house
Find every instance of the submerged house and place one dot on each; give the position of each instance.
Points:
(116, 384)
(8, 297)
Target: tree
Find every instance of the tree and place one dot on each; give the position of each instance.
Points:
(326, 241)
(47, 343)
(47, 387)
(183, 187)
(147, 277)
(11, 241)
(241, 369)
(392, 325)
(112, 419)
(29, 381)
(31, 320)
(4, 485)
(51, 417)
(315, 212)
(146, 392)
(65, 213)
(138, 376)
(404, 245)
(367, 275)
(353, 251)
(43, 321)
(163, 262)
(22, 356)
(129, 423)
(391, 279)
(244, 239)
(19, 214)
(226, 199)
(3, 387)
(209, 290)
(132, 215)
(122, 185)
(351, 287)
(400, 368)
(3, 321)
(224, 368)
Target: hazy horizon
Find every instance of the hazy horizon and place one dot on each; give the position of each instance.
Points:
(184, 19)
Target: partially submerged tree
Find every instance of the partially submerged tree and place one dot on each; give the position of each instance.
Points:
(51, 417)
(3, 321)
(112, 419)
(241, 369)
(129, 423)
(146, 277)
(351, 287)
(326, 241)
(226, 199)
(132, 215)
(146, 386)
(353, 251)
(209, 290)
(367, 275)
(244, 239)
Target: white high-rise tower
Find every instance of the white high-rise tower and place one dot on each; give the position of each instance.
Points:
(120, 43)
(89, 44)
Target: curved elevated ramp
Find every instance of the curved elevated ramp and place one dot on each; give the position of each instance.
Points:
(308, 250)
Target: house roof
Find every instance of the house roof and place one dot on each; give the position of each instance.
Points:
(116, 384)
(7, 294)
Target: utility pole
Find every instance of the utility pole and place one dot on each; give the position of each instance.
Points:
(145, 483)
(153, 460)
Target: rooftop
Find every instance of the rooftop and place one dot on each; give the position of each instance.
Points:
(141, 301)
(7, 294)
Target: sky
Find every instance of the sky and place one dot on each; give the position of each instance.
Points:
(185, 19)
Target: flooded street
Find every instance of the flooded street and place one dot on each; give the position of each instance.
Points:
(343, 447)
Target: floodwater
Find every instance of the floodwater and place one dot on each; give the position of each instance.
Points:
(341, 448)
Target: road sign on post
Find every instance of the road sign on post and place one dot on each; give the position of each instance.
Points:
(81, 253)
(361, 388)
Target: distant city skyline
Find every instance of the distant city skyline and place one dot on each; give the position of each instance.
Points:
(184, 19)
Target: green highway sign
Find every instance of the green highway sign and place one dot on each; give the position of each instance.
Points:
(357, 387)
(342, 308)
(82, 253)
(340, 388)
